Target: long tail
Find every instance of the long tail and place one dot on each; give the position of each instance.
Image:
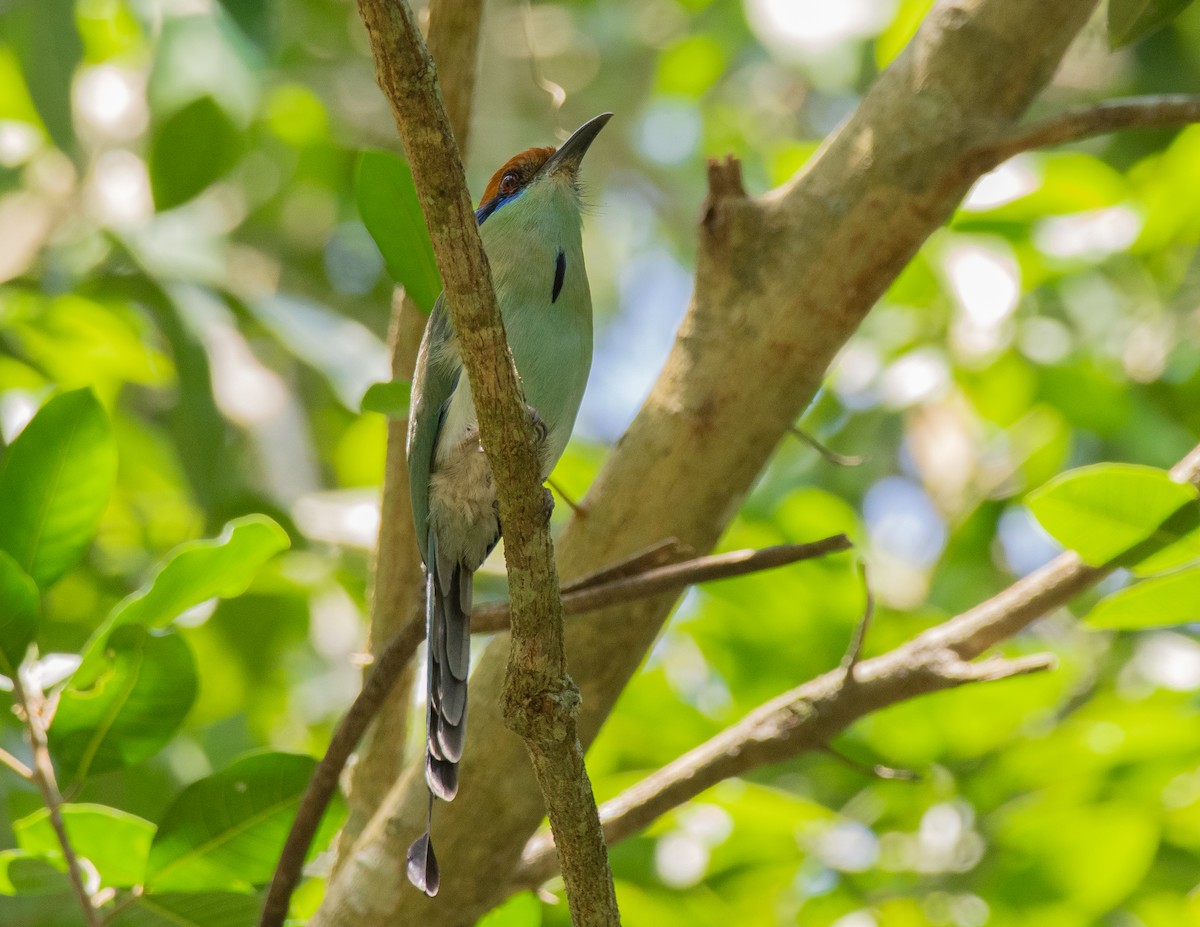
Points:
(448, 626)
(448, 590)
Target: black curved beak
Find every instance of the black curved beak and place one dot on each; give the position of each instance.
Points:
(570, 154)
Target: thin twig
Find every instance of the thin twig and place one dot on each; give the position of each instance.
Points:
(670, 550)
(859, 638)
(396, 585)
(540, 701)
(562, 494)
(839, 460)
(670, 578)
(997, 668)
(42, 774)
(877, 770)
(15, 765)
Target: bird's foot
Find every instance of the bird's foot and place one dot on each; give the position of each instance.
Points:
(540, 430)
(547, 503)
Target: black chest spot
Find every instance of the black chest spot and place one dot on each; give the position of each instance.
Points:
(560, 273)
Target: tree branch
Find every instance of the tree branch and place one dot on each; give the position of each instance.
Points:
(15, 765)
(540, 701)
(672, 578)
(42, 773)
(1150, 112)
(830, 456)
(804, 719)
(809, 716)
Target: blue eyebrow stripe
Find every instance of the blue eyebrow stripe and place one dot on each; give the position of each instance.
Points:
(486, 209)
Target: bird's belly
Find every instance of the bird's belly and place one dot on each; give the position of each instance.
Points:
(462, 502)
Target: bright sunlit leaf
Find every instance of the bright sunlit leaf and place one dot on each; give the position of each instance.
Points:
(220, 567)
(115, 842)
(1152, 603)
(1103, 511)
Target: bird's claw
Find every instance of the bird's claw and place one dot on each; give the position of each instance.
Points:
(540, 431)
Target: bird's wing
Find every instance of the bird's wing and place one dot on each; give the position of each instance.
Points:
(437, 374)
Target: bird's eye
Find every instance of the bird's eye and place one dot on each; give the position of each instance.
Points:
(509, 183)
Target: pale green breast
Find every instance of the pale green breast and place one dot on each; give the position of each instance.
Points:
(549, 329)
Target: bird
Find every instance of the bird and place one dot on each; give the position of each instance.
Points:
(530, 220)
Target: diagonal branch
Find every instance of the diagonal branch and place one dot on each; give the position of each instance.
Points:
(804, 719)
(15, 765)
(809, 716)
(670, 578)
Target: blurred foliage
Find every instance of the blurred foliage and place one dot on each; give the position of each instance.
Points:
(192, 297)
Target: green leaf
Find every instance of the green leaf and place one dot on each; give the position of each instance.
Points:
(523, 910)
(388, 205)
(55, 481)
(390, 398)
(26, 873)
(115, 842)
(225, 831)
(46, 41)
(194, 572)
(1103, 511)
(1152, 603)
(1131, 20)
(1181, 532)
(131, 709)
(1094, 855)
(190, 909)
(58, 909)
(18, 614)
(191, 149)
(909, 16)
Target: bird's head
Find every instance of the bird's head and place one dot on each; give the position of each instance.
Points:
(539, 173)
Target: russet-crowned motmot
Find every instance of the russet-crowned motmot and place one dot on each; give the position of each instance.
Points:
(530, 221)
